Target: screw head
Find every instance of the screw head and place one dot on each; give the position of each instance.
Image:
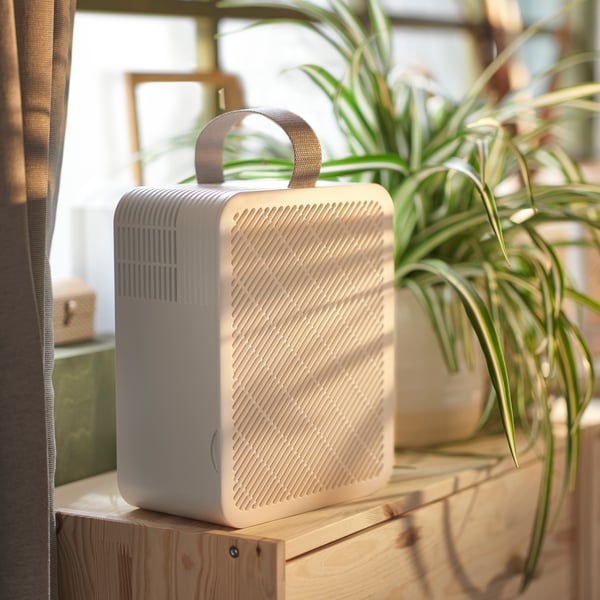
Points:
(234, 551)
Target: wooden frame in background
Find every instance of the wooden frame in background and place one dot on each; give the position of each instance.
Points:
(227, 87)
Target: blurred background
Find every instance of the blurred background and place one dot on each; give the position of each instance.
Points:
(145, 74)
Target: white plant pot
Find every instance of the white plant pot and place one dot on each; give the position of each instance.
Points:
(432, 405)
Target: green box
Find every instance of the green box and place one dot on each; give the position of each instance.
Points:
(84, 409)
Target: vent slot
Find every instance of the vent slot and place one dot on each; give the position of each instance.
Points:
(148, 234)
(307, 350)
(146, 262)
(146, 243)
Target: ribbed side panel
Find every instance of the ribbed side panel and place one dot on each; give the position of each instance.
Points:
(147, 264)
(308, 343)
(146, 246)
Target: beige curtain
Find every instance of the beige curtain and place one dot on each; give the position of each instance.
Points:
(35, 41)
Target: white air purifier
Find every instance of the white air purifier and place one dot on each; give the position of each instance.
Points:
(254, 339)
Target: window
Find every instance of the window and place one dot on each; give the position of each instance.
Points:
(97, 159)
(441, 37)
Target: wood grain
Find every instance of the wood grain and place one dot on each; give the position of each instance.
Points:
(469, 545)
(587, 513)
(108, 559)
(419, 478)
(448, 525)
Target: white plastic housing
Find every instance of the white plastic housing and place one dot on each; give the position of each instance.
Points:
(254, 334)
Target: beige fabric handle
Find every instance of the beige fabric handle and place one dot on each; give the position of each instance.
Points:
(307, 150)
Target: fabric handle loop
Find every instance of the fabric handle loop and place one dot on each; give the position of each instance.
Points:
(307, 150)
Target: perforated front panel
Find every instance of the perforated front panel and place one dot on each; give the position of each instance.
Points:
(307, 349)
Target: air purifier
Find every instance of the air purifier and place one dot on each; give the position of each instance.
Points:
(254, 339)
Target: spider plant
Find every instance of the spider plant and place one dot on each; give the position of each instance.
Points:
(469, 216)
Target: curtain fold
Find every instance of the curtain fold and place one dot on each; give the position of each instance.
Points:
(35, 40)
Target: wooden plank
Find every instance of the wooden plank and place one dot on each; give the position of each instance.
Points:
(468, 545)
(418, 479)
(102, 558)
(588, 507)
(446, 526)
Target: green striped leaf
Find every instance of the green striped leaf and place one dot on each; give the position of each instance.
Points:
(486, 194)
(543, 503)
(558, 97)
(382, 31)
(432, 304)
(345, 106)
(484, 328)
(364, 164)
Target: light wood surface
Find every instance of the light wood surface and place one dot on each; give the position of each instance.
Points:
(466, 546)
(587, 508)
(100, 558)
(446, 526)
(418, 478)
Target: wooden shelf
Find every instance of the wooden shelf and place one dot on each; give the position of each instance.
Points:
(446, 526)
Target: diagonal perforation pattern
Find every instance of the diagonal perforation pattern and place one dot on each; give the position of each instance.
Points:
(307, 349)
